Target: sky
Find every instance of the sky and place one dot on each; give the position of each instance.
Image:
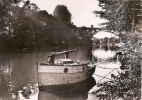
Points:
(81, 10)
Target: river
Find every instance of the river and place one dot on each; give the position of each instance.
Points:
(18, 71)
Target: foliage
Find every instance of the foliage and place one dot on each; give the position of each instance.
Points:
(120, 15)
(124, 20)
(29, 90)
(27, 28)
(62, 13)
(126, 85)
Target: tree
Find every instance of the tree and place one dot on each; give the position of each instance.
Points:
(121, 15)
(62, 13)
(34, 29)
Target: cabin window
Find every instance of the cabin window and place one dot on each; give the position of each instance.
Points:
(65, 70)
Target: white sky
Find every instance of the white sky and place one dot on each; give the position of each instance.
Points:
(81, 10)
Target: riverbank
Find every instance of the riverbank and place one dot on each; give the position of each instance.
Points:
(103, 73)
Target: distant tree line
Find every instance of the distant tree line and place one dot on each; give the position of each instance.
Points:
(31, 29)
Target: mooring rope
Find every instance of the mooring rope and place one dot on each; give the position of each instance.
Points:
(32, 74)
(98, 75)
(106, 75)
(106, 68)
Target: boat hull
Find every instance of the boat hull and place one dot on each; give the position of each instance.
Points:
(76, 91)
(64, 87)
(61, 76)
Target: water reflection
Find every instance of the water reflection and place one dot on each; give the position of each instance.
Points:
(103, 54)
(75, 92)
(6, 83)
(104, 51)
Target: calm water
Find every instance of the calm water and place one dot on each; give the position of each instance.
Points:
(17, 70)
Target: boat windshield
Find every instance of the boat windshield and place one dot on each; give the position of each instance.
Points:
(64, 61)
(67, 62)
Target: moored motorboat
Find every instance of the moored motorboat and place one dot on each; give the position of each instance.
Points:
(58, 73)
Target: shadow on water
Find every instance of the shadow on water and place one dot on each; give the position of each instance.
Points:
(75, 92)
(3, 91)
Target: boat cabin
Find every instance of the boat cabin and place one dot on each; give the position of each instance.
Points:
(64, 61)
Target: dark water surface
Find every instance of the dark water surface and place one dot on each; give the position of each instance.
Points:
(17, 70)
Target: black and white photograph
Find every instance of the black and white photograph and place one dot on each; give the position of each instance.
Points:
(70, 49)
